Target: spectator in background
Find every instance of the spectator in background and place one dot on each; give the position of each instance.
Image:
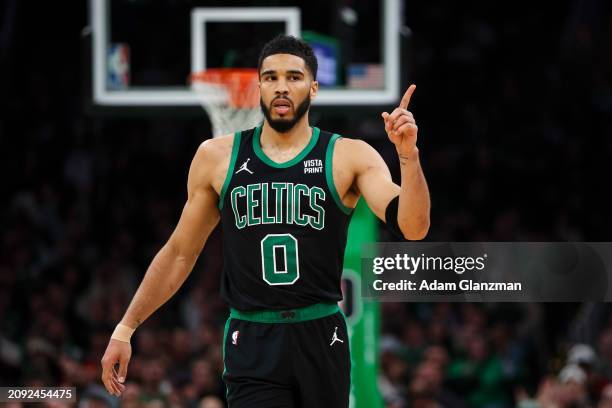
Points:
(204, 381)
(584, 356)
(604, 348)
(479, 375)
(413, 341)
(210, 402)
(606, 397)
(394, 372)
(427, 384)
(154, 383)
(572, 389)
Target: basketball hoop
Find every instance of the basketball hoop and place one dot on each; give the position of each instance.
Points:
(230, 97)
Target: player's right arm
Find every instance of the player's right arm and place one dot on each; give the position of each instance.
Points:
(175, 260)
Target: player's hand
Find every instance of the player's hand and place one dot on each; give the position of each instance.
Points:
(401, 126)
(117, 352)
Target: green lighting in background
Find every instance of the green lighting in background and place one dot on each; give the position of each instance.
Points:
(363, 317)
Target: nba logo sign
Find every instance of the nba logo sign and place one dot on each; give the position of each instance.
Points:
(235, 337)
(118, 66)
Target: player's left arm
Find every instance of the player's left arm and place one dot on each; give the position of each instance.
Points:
(374, 182)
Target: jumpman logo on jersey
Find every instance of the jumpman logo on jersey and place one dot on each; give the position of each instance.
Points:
(335, 337)
(244, 167)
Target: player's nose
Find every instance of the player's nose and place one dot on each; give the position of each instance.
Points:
(281, 87)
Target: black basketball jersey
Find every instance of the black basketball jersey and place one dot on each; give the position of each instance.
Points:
(284, 226)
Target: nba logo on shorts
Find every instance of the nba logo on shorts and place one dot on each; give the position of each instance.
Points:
(118, 66)
(235, 337)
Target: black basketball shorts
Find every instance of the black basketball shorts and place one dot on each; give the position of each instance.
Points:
(295, 358)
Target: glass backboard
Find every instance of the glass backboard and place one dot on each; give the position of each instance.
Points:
(143, 51)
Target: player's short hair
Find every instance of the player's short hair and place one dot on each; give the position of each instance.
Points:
(288, 44)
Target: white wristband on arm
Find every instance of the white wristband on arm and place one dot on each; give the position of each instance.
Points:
(122, 333)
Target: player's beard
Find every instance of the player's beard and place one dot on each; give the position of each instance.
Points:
(285, 125)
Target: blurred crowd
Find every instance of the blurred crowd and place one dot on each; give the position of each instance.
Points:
(513, 106)
(494, 356)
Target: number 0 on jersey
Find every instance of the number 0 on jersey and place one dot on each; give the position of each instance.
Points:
(279, 259)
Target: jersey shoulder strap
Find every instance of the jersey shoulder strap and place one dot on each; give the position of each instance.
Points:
(328, 143)
(241, 140)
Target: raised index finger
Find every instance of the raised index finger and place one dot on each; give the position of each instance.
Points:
(406, 98)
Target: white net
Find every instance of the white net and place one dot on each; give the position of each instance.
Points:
(230, 98)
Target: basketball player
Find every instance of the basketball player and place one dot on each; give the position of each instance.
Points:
(284, 193)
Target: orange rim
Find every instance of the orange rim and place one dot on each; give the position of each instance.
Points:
(241, 84)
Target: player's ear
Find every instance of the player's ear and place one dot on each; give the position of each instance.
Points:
(314, 89)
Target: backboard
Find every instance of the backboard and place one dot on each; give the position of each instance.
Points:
(144, 50)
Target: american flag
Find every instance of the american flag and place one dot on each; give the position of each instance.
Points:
(366, 76)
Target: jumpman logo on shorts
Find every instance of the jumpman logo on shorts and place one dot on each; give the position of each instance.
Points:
(335, 337)
(244, 167)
